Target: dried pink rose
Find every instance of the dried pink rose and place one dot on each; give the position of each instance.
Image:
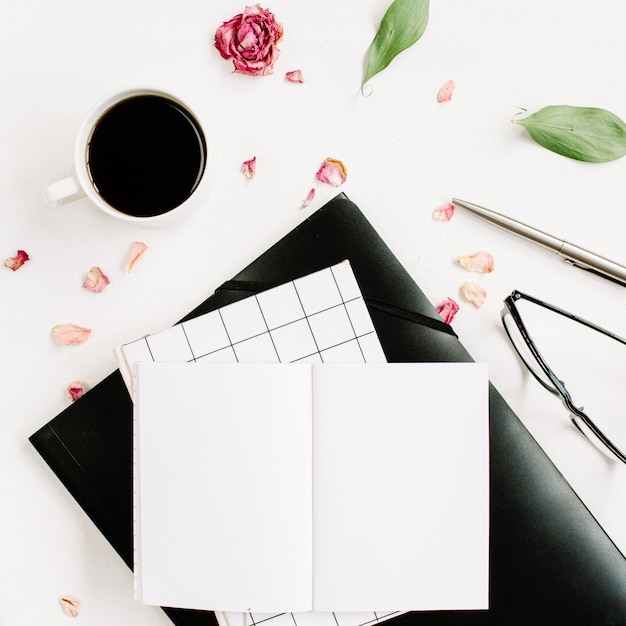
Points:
(473, 293)
(70, 605)
(250, 39)
(333, 172)
(136, 251)
(249, 168)
(444, 213)
(15, 262)
(481, 262)
(448, 309)
(308, 199)
(446, 91)
(95, 280)
(295, 76)
(70, 334)
(75, 390)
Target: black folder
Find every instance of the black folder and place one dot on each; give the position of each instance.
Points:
(550, 561)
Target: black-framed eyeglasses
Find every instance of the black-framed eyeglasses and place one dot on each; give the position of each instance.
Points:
(574, 355)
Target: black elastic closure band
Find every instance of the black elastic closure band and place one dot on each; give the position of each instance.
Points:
(252, 286)
(412, 316)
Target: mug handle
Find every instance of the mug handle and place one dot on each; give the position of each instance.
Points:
(63, 191)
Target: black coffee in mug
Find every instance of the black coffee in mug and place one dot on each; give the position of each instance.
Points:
(146, 155)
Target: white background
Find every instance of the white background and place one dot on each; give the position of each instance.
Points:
(406, 154)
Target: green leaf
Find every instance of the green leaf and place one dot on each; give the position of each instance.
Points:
(582, 133)
(402, 25)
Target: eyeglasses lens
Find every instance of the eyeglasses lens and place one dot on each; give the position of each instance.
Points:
(590, 365)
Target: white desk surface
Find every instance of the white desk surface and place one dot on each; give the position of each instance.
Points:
(405, 153)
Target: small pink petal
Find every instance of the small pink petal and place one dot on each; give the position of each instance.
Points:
(249, 168)
(444, 213)
(136, 250)
(95, 280)
(446, 91)
(70, 605)
(295, 76)
(481, 262)
(15, 262)
(333, 172)
(308, 199)
(448, 309)
(70, 334)
(75, 390)
(473, 293)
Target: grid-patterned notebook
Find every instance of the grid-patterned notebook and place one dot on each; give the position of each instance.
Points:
(319, 318)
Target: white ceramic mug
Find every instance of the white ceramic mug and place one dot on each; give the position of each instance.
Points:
(147, 187)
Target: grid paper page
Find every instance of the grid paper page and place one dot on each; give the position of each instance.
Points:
(317, 318)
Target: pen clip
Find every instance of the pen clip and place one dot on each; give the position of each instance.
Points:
(593, 270)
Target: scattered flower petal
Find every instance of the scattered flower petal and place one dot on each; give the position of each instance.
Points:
(444, 213)
(136, 250)
(446, 91)
(481, 262)
(448, 309)
(15, 262)
(75, 390)
(249, 168)
(333, 172)
(308, 199)
(70, 605)
(473, 293)
(295, 77)
(95, 280)
(250, 39)
(71, 334)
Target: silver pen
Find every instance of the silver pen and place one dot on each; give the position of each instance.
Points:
(570, 253)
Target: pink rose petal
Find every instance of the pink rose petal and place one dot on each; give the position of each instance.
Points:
(444, 213)
(446, 91)
(95, 280)
(75, 390)
(308, 199)
(70, 605)
(448, 309)
(481, 262)
(333, 172)
(473, 293)
(295, 77)
(70, 334)
(136, 251)
(249, 168)
(15, 262)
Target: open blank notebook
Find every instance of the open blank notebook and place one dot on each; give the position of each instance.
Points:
(318, 318)
(312, 487)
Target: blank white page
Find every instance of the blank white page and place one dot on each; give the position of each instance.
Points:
(400, 487)
(223, 486)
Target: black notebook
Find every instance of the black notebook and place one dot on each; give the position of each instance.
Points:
(550, 561)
